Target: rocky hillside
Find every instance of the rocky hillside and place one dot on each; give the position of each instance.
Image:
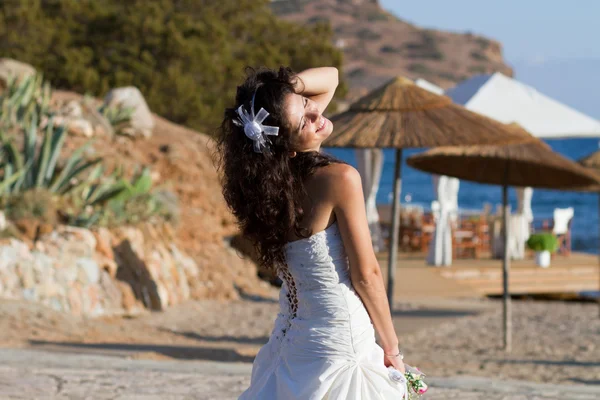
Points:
(181, 160)
(46, 256)
(377, 45)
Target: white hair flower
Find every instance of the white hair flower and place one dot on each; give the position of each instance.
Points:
(253, 126)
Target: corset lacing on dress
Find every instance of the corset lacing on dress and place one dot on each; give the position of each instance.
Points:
(291, 295)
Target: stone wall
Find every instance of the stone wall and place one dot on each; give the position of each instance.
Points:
(99, 272)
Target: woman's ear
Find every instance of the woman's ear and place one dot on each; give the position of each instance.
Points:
(292, 154)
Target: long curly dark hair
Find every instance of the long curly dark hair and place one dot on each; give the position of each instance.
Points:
(264, 190)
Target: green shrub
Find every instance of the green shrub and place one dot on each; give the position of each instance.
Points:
(186, 56)
(38, 204)
(317, 19)
(368, 34)
(478, 69)
(288, 7)
(378, 16)
(452, 77)
(11, 232)
(543, 242)
(390, 49)
(427, 54)
(419, 68)
(482, 43)
(427, 48)
(357, 73)
(479, 56)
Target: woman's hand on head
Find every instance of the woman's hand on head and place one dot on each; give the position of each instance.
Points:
(318, 84)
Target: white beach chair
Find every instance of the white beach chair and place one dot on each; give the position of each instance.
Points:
(562, 228)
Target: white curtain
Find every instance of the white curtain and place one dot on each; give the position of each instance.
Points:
(370, 164)
(445, 212)
(519, 227)
(521, 221)
(524, 196)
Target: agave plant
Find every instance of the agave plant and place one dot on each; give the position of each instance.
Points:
(36, 166)
(114, 199)
(118, 116)
(24, 99)
(89, 195)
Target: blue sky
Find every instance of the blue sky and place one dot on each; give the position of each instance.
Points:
(531, 30)
(553, 45)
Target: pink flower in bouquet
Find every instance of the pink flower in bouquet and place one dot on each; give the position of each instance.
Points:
(414, 378)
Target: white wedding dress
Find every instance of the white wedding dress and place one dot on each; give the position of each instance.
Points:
(323, 344)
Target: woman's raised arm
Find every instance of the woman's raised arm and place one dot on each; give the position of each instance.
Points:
(318, 84)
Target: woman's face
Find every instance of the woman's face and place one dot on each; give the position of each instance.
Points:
(309, 128)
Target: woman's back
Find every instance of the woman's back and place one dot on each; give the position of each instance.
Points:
(316, 202)
(323, 343)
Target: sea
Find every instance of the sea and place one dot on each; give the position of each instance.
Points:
(417, 188)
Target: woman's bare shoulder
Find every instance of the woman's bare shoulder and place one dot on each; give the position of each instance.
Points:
(340, 179)
(335, 171)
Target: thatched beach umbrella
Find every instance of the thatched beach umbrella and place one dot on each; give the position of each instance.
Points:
(530, 163)
(592, 162)
(402, 115)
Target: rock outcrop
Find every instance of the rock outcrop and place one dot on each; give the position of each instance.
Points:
(99, 272)
(15, 69)
(141, 122)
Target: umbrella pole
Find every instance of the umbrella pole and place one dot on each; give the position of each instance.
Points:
(506, 306)
(395, 228)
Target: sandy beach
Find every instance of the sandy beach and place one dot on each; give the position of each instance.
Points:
(554, 342)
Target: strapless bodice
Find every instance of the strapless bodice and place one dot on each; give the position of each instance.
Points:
(323, 343)
(318, 277)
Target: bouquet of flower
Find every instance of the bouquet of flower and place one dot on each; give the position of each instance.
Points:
(413, 378)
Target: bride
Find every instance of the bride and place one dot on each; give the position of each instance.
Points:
(305, 212)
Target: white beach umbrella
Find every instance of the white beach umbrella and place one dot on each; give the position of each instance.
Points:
(507, 100)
